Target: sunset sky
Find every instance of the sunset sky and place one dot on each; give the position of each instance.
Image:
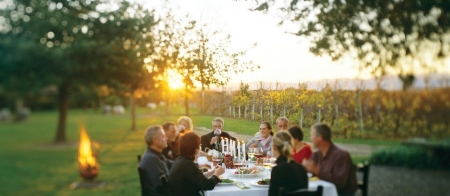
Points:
(283, 57)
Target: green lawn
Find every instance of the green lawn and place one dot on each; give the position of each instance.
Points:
(30, 164)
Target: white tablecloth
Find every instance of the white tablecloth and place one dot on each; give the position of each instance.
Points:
(225, 190)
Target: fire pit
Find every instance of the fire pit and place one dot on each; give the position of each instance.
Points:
(88, 163)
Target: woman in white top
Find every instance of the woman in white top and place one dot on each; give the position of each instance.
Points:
(264, 139)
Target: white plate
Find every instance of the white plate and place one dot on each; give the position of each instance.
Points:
(255, 183)
(245, 175)
(223, 184)
(309, 175)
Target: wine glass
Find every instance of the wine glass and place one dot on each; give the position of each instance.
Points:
(251, 153)
(217, 158)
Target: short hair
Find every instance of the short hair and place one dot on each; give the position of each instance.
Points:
(189, 143)
(296, 132)
(219, 119)
(269, 126)
(166, 126)
(283, 119)
(324, 130)
(151, 133)
(188, 121)
(283, 142)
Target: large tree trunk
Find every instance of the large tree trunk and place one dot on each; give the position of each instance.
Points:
(133, 111)
(186, 101)
(63, 96)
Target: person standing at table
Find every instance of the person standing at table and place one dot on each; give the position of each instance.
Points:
(302, 150)
(287, 173)
(153, 163)
(185, 178)
(171, 134)
(263, 140)
(209, 140)
(331, 163)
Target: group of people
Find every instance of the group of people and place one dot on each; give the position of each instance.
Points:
(172, 151)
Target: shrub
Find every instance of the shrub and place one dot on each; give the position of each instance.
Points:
(408, 156)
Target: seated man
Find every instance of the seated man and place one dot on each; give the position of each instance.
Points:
(331, 163)
(171, 134)
(209, 140)
(153, 164)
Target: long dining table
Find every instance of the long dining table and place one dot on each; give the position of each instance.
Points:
(254, 189)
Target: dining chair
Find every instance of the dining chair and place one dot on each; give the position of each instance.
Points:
(363, 184)
(301, 192)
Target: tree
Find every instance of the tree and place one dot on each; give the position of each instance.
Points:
(382, 36)
(68, 44)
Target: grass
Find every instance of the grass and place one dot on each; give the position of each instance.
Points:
(30, 164)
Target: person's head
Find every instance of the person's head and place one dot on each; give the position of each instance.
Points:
(265, 129)
(189, 145)
(320, 133)
(296, 133)
(171, 131)
(186, 122)
(282, 123)
(218, 123)
(155, 138)
(282, 144)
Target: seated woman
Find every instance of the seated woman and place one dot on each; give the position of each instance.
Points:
(301, 149)
(287, 173)
(184, 126)
(185, 178)
(263, 140)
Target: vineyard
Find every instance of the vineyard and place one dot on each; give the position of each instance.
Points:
(376, 114)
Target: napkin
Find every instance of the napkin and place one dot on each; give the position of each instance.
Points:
(315, 178)
(241, 185)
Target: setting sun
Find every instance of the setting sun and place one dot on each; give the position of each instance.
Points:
(174, 80)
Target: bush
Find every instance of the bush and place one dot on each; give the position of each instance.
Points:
(408, 156)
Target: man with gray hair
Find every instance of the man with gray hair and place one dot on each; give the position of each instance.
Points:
(153, 163)
(282, 123)
(331, 163)
(208, 140)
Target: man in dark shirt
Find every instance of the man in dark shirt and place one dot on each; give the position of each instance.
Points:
(209, 140)
(331, 163)
(153, 164)
(171, 134)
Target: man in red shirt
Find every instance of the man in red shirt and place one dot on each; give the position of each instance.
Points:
(331, 163)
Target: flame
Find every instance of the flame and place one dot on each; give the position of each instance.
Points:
(87, 158)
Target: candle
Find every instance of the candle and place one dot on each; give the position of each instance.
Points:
(239, 149)
(243, 149)
(221, 140)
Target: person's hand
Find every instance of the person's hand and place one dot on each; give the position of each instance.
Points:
(201, 153)
(254, 145)
(310, 166)
(213, 140)
(205, 165)
(219, 171)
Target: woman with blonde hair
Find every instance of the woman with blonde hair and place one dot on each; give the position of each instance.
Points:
(287, 173)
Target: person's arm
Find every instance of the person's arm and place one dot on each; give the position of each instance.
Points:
(247, 145)
(151, 172)
(197, 178)
(205, 141)
(276, 178)
(340, 171)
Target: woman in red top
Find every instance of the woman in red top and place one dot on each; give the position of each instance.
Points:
(301, 149)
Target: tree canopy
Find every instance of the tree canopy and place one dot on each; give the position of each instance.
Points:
(400, 36)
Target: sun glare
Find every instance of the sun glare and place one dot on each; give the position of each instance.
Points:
(175, 81)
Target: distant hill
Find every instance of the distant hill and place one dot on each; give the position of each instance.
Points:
(389, 82)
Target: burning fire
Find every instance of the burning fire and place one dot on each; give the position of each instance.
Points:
(87, 156)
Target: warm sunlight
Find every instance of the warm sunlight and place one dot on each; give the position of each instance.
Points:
(175, 81)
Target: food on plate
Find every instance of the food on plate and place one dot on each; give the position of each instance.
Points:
(226, 180)
(203, 169)
(253, 159)
(244, 170)
(264, 181)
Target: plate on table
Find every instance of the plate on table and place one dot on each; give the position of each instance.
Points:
(255, 183)
(246, 172)
(226, 181)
